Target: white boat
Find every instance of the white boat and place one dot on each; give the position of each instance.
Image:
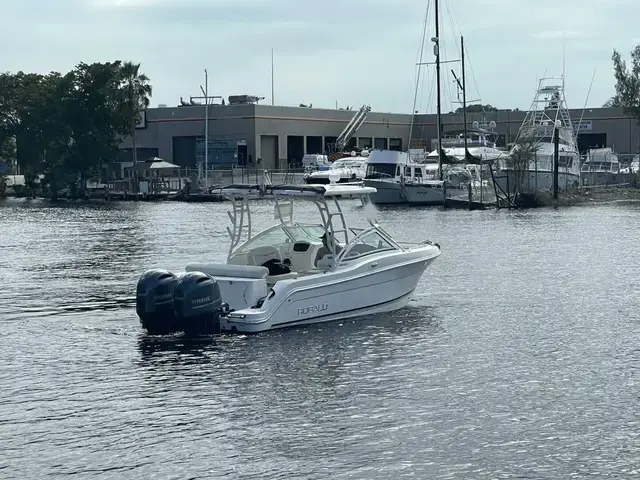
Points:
(347, 169)
(481, 144)
(402, 178)
(633, 167)
(547, 114)
(288, 274)
(601, 166)
(601, 160)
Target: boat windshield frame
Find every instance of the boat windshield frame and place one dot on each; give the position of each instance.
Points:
(333, 221)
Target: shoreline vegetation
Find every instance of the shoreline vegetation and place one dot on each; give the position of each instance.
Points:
(580, 197)
(62, 129)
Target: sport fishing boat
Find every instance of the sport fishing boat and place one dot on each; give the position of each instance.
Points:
(547, 116)
(292, 273)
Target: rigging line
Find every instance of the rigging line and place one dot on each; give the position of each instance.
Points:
(421, 49)
(426, 74)
(426, 79)
(429, 103)
(450, 92)
(453, 27)
(453, 18)
(445, 94)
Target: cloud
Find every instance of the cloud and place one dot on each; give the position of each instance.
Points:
(557, 34)
(353, 51)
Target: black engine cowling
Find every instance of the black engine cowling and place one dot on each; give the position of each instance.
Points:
(154, 302)
(198, 304)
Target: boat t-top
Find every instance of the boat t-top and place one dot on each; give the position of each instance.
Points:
(292, 273)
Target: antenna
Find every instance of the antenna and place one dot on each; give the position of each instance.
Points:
(272, 85)
(585, 106)
(564, 49)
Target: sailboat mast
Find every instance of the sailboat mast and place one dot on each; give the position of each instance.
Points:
(464, 97)
(438, 99)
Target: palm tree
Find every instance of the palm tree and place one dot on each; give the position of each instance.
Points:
(138, 93)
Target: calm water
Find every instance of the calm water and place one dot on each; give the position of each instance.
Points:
(519, 357)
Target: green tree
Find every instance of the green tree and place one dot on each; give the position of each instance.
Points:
(478, 108)
(67, 127)
(138, 92)
(612, 102)
(627, 83)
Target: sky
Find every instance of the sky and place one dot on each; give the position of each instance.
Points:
(334, 52)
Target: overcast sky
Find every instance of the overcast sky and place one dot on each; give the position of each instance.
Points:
(346, 51)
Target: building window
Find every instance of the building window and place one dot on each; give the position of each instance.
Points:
(395, 144)
(380, 143)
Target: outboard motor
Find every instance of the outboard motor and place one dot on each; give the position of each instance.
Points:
(198, 304)
(154, 302)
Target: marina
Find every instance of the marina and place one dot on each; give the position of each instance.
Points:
(239, 285)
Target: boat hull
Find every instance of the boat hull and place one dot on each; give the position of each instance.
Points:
(535, 180)
(394, 193)
(376, 285)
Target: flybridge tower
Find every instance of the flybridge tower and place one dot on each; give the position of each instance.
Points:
(549, 105)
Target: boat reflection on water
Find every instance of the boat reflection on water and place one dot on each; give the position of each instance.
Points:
(415, 320)
(177, 349)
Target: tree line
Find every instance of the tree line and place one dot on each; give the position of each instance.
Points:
(67, 126)
(627, 83)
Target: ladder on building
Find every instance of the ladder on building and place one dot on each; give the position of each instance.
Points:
(352, 127)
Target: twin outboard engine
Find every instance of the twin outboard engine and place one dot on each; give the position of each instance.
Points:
(198, 304)
(154, 302)
(167, 304)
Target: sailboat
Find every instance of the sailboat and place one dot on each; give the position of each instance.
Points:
(403, 177)
(467, 153)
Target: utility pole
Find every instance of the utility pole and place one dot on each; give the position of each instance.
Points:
(205, 92)
(273, 94)
(206, 128)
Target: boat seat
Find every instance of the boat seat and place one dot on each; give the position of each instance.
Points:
(226, 270)
(261, 255)
(325, 263)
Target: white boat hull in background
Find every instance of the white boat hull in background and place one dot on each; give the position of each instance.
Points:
(389, 192)
(533, 181)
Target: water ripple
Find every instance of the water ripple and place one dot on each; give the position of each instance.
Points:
(518, 357)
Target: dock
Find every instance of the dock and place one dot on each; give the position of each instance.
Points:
(474, 200)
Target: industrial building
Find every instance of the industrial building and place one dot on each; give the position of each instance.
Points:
(276, 137)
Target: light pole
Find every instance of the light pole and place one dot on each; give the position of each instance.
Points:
(205, 92)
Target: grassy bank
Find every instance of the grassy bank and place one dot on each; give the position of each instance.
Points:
(580, 196)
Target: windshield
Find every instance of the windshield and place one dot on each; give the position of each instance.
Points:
(381, 170)
(279, 235)
(305, 233)
(370, 242)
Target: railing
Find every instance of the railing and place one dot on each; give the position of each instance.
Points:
(175, 180)
(627, 173)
